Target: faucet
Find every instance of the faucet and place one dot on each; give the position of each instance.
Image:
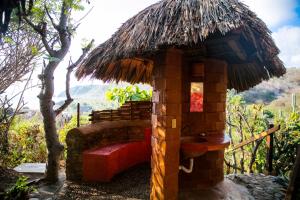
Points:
(202, 134)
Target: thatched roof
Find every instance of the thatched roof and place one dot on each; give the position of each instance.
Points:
(222, 29)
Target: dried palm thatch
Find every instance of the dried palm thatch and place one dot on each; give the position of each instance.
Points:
(222, 29)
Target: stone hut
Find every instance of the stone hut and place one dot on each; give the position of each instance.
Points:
(185, 48)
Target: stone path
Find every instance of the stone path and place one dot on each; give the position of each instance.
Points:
(261, 186)
(48, 192)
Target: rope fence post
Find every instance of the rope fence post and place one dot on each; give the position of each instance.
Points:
(270, 149)
(78, 115)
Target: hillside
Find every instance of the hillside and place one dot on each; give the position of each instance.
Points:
(91, 97)
(276, 92)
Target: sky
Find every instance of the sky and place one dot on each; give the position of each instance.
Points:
(281, 16)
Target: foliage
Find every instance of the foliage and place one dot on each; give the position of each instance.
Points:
(26, 143)
(20, 190)
(129, 93)
(246, 120)
(286, 141)
(70, 125)
(53, 22)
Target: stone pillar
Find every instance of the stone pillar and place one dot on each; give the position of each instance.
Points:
(166, 124)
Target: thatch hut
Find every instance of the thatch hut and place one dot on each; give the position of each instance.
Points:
(171, 45)
(225, 30)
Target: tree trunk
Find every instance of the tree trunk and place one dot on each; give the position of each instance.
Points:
(54, 147)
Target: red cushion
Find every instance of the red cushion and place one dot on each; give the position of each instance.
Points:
(102, 163)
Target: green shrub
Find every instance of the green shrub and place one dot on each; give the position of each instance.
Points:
(68, 126)
(129, 93)
(26, 143)
(19, 191)
(244, 121)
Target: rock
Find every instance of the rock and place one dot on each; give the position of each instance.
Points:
(261, 186)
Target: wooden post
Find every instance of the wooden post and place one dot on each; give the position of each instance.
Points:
(293, 192)
(78, 115)
(270, 142)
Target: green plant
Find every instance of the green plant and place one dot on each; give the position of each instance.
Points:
(129, 93)
(19, 191)
(68, 126)
(286, 140)
(246, 120)
(26, 143)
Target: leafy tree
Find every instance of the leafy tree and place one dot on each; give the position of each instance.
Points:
(52, 21)
(129, 93)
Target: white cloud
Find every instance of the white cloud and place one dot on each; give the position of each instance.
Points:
(287, 39)
(273, 12)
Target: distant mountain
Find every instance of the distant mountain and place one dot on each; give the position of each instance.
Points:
(277, 91)
(87, 91)
(90, 97)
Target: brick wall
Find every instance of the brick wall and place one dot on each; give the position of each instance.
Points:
(208, 169)
(166, 112)
(212, 119)
(171, 100)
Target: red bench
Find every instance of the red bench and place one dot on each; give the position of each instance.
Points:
(101, 164)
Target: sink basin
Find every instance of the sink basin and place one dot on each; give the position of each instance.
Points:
(193, 146)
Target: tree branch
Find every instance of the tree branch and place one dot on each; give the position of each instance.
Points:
(71, 67)
(42, 31)
(233, 166)
(50, 17)
(253, 155)
(62, 28)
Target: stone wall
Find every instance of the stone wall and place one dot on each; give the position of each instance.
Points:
(97, 135)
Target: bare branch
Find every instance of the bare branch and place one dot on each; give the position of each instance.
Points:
(50, 17)
(42, 31)
(21, 98)
(38, 29)
(71, 67)
(253, 155)
(82, 18)
(233, 166)
(18, 57)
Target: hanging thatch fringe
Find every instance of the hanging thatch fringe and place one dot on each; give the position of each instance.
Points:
(184, 24)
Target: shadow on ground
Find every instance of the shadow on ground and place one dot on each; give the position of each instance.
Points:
(132, 184)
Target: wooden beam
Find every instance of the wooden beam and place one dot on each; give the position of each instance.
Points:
(255, 138)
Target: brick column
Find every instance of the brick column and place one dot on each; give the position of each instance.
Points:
(166, 125)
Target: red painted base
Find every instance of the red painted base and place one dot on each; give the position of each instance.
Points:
(101, 164)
